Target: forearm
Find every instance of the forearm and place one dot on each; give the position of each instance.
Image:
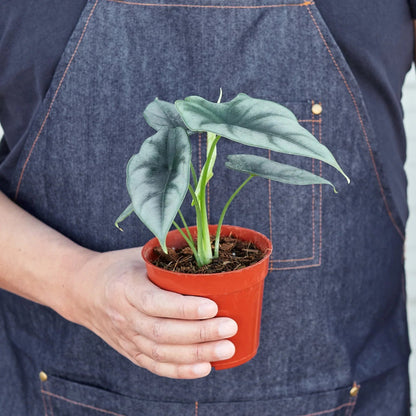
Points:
(37, 262)
(109, 293)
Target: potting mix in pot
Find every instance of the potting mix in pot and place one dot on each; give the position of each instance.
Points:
(224, 263)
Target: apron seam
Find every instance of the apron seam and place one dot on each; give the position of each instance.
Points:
(348, 405)
(363, 128)
(44, 402)
(53, 101)
(201, 6)
(63, 398)
(353, 403)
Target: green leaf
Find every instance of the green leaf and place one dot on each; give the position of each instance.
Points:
(158, 179)
(254, 122)
(129, 210)
(159, 114)
(269, 169)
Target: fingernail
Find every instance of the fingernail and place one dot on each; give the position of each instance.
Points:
(207, 310)
(227, 329)
(224, 350)
(201, 369)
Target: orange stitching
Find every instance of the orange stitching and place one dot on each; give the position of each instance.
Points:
(320, 200)
(289, 260)
(53, 101)
(80, 404)
(196, 408)
(331, 410)
(132, 3)
(313, 195)
(44, 403)
(353, 403)
(310, 121)
(48, 399)
(306, 266)
(348, 412)
(50, 405)
(362, 125)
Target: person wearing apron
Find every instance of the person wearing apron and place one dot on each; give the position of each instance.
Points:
(334, 334)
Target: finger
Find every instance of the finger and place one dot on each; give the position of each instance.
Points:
(170, 370)
(172, 331)
(154, 301)
(185, 354)
(177, 371)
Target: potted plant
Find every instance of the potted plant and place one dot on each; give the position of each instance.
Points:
(159, 177)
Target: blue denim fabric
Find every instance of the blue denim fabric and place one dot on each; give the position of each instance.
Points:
(334, 301)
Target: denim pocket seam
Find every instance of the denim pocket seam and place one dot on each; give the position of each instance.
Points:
(51, 104)
(349, 405)
(201, 6)
(360, 118)
(45, 392)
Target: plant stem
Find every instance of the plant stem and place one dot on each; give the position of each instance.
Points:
(217, 236)
(189, 242)
(185, 224)
(194, 177)
(205, 250)
(198, 218)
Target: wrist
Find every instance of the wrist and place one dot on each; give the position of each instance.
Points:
(73, 283)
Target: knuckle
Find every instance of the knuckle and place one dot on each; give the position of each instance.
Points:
(198, 353)
(138, 358)
(155, 368)
(118, 319)
(203, 332)
(147, 301)
(182, 310)
(157, 330)
(157, 354)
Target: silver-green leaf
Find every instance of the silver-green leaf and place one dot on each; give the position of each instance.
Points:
(127, 212)
(159, 114)
(254, 122)
(269, 169)
(158, 179)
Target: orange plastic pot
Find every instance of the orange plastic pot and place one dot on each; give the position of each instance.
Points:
(238, 294)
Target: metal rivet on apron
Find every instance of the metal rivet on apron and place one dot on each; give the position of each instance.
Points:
(354, 390)
(43, 376)
(317, 109)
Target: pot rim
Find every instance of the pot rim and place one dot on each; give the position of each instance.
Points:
(148, 249)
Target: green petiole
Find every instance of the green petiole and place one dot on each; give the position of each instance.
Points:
(217, 236)
(189, 242)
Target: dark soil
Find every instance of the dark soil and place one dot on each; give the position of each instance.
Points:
(234, 254)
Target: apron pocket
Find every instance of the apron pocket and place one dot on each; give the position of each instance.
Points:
(290, 215)
(66, 398)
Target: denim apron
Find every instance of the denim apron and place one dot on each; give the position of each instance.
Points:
(334, 334)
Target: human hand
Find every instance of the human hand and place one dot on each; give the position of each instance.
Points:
(169, 334)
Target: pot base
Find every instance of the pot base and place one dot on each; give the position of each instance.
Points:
(224, 365)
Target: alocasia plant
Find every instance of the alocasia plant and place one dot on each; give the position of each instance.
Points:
(158, 177)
